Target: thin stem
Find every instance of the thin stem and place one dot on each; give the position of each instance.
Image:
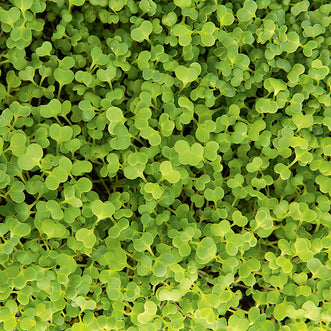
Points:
(243, 120)
(129, 254)
(290, 165)
(143, 177)
(42, 80)
(57, 120)
(59, 92)
(105, 186)
(67, 119)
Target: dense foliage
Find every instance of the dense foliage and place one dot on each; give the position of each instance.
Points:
(165, 165)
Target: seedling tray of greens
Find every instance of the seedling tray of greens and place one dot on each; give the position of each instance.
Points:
(165, 165)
